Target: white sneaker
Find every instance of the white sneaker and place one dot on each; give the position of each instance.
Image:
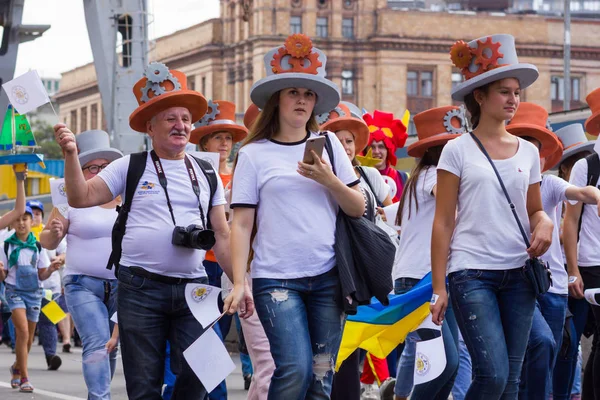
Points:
(387, 389)
(369, 392)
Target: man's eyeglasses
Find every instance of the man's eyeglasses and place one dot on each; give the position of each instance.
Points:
(94, 169)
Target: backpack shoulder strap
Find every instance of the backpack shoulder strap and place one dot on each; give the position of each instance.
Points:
(211, 176)
(329, 148)
(363, 174)
(593, 172)
(593, 162)
(39, 246)
(135, 170)
(6, 246)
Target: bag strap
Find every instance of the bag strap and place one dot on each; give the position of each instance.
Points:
(6, 246)
(135, 170)
(329, 148)
(363, 174)
(211, 176)
(510, 203)
(593, 172)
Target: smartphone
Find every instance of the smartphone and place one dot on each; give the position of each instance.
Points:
(317, 144)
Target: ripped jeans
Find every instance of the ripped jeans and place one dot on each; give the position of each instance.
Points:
(303, 321)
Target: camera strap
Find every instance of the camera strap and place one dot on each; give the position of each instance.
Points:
(162, 179)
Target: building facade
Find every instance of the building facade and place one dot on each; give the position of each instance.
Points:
(381, 56)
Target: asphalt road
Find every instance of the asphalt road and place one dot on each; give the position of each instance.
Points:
(67, 383)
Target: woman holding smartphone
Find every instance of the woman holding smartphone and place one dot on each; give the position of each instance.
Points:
(475, 236)
(293, 206)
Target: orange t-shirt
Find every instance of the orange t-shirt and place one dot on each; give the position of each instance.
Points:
(226, 179)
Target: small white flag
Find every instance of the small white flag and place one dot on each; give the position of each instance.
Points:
(430, 357)
(26, 92)
(203, 302)
(212, 158)
(209, 360)
(58, 191)
(597, 147)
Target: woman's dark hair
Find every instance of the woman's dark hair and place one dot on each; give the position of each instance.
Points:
(472, 105)
(430, 158)
(565, 167)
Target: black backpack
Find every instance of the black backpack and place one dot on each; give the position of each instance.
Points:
(137, 166)
(593, 164)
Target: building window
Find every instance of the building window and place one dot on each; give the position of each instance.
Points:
(83, 119)
(557, 92)
(347, 82)
(203, 85)
(94, 116)
(419, 90)
(74, 125)
(56, 86)
(295, 24)
(191, 83)
(348, 28)
(322, 25)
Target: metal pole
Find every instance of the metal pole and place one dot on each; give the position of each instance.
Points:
(567, 57)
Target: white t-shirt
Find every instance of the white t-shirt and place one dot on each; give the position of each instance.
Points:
(589, 239)
(53, 283)
(296, 216)
(89, 241)
(554, 191)
(414, 259)
(486, 235)
(24, 258)
(379, 186)
(147, 241)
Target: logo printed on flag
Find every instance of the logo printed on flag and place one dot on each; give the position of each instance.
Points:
(422, 364)
(20, 94)
(26, 92)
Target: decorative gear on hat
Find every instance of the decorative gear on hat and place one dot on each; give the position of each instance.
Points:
(298, 45)
(156, 72)
(324, 117)
(299, 48)
(454, 113)
(156, 87)
(460, 54)
(383, 127)
(210, 116)
(549, 125)
(482, 59)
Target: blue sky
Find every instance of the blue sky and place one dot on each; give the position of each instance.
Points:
(66, 44)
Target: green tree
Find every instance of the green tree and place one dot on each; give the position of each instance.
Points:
(44, 135)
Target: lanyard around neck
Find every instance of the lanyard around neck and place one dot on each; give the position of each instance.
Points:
(162, 179)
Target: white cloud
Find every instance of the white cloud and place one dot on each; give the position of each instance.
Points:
(66, 44)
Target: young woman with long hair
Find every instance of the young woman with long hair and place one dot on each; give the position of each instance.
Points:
(475, 237)
(293, 205)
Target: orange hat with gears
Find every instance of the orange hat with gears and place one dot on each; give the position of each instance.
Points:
(392, 132)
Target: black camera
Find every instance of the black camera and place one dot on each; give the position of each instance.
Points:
(193, 237)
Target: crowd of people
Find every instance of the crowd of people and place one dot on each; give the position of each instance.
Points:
(478, 212)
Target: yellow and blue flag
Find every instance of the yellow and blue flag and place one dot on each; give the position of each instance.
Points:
(380, 329)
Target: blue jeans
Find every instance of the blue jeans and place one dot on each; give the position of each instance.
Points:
(494, 310)
(303, 321)
(91, 302)
(464, 375)
(150, 313)
(545, 340)
(564, 370)
(440, 387)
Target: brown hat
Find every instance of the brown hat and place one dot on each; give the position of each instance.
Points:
(340, 118)
(219, 118)
(161, 89)
(435, 127)
(592, 124)
(532, 120)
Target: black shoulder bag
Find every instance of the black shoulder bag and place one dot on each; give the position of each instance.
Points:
(537, 272)
(364, 255)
